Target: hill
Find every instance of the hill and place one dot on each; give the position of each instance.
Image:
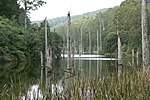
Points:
(55, 22)
(129, 27)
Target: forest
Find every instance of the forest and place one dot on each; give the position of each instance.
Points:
(18, 42)
(129, 20)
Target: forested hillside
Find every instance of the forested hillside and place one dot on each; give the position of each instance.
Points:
(55, 22)
(129, 20)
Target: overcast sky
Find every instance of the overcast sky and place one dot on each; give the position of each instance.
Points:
(58, 8)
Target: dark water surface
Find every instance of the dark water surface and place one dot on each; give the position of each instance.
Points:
(26, 74)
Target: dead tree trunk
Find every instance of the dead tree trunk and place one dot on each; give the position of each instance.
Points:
(97, 52)
(90, 51)
(48, 60)
(68, 41)
(119, 52)
(137, 58)
(119, 57)
(97, 42)
(42, 68)
(81, 45)
(133, 62)
(145, 43)
(25, 14)
(100, 32)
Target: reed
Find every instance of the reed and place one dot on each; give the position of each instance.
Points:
(133, 84)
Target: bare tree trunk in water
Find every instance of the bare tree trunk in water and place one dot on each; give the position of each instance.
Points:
(90, 51)
(48, 61)
(42, 68)
(145, 43)
(119, 57)
(68, 41)
(137, 58)
(133, 64)
(100, 32)
(97, 42)
(81, 45)
(119, 53)
(97, 52)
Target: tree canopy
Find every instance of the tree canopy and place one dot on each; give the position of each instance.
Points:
(129, 20)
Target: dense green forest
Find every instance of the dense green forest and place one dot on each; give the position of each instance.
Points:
(129, 20)
(19, 43)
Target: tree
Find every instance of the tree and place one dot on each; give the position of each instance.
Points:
(30, 5)
(9, 9)
(145, 43)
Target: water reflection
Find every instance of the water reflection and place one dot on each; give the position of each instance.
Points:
(18, 77)
(91, 67)
(25, 76)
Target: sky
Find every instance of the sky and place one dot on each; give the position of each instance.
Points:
(58, 8)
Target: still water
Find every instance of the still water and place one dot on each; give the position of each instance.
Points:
(24, 75)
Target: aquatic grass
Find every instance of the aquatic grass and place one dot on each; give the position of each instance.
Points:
(14, 90)
(131, 85)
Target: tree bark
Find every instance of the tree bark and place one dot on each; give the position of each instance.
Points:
(100, 32)
(42, 68)
(81, 45)
(48, 61)
(119, 52)
(133, 62)
(68, 41)
(90, 51)
(25, 14)
(97, 42)
(145, 43)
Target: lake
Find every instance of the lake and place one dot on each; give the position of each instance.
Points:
(28, 74)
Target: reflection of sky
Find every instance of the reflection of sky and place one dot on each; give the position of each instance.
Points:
(84, 55)
(33, 93)
(95, 59)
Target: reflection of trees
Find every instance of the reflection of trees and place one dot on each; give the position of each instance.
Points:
(18, 76)
(58, 71)
(111, 67)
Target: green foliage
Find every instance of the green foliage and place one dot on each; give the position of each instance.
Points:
(9, 8)
(111, 42)
(129, 20)
(56, 42)
(16, 43)
(10, 38)
(32, 4)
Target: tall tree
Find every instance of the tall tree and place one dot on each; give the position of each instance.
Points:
(30, 5)
(68, 40)
(145, 43)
